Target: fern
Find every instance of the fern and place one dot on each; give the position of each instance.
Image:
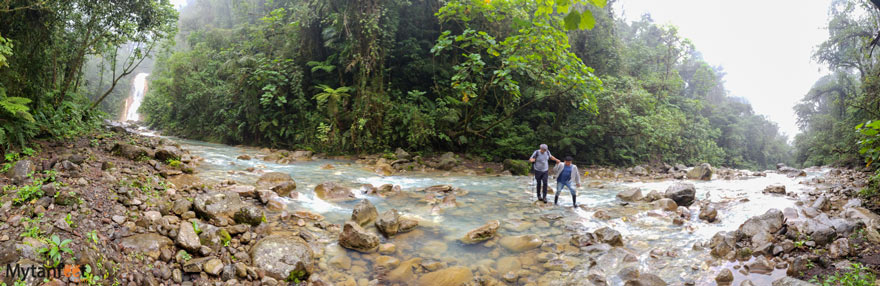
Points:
(17, 106)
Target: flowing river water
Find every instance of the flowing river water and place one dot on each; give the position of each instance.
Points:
(652, 242)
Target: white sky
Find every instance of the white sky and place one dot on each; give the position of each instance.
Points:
(764, 46)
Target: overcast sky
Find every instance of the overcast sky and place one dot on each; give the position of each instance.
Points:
(764, 46)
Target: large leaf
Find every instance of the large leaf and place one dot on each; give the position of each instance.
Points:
(587, 21)
(572, 20)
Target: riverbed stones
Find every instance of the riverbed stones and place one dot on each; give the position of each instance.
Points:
(789, 281)
(364, 212)
(708, 213)
(630, 195)
(391, 223)
(20, 171)
(217, 206)
(839, 248)
(249, 215)
(187, 237)
(355, 237)
(149, 244)
(609, 235)
(722, 243)
(520, 243)
(725, 276)
(452, 276)
(508, 264)
(213, 266)
(701, 172)
(684, 194)
(483, 233)
(280, 183)
(281, 253)
(330, 191)
(646, 279)
(666, 204)
(775, 189)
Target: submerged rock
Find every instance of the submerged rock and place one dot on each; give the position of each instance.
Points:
(330, 191)
(452, 276)
(354, 237)
(364, 212)
(483, 233)
(521, 243)
(708, 213)
(609, 235)
(666, 204)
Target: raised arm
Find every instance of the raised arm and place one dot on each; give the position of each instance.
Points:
(554, 158)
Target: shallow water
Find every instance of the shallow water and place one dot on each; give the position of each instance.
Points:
(510, 199)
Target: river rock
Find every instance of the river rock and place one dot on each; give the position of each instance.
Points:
(280, 183)
(364, 212)
(330, 191)
(521, 243)
(666, 204)
(708, 213)
(129, 151)
(149, 244)
(725, 276)
(354, 237)
(213, 266)
(402, 154)
(653, 195)
(217, 206)
(775, 189)
(683, 194)
(701, 172)
(166, 153)
(249, 215)
(516, 167)
(452, 276)
(187, 237)
(646, 279)
(609, 235)
(447, 161)
(789, 171)
(388, 223)
(407, 225)
(765, 224)
(789, 281)
(839, 249)
(483, 233)
(20, 171)
(639, 171)
(630, 195)
(279, 254)
(722, 243)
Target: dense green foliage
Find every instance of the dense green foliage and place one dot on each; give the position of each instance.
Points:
(45, 47)
(492, 78)
(849, 96)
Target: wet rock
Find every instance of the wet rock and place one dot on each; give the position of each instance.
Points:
(407, 225)
(630, 195)
(279, 254)
(722, 243)
(213, 267)
(629, 273)
(149, 244)
(249, 215)
(683, 194)
(20, 171)
(609, 236)
(330, 191)
(789, 171)
(775, 189)
(217, 206)
(646, 279)
(666, 204)
(387, 190)
(508, 264)
(516, 167)
(389, 223)
(387, 262)
(839, 249)
(244, 157)
(789, 281)
(354, 237)
(653, 195)
(187, 237)
(364, 212)
(483, 233)
(725, 276)
(280, 183)
(761, 265)
(452, 276)
(701, 172)
(708, 213)
(521, 243)
(129, 151)
(767, 223)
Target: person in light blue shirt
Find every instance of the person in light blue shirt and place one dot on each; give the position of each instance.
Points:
(566, 174)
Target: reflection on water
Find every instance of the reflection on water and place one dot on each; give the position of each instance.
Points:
(660, 246)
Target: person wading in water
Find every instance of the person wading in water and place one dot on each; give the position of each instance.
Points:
(540, 157)
(565, 175)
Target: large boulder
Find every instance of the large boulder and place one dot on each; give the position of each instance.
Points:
(516, 167)
(447, 161)
(249, 215)
(330, 191)
(665, 204)
(452, 276)
(701, 172)
(767, 223)
(521, 243)
(166, 153)
(280, 183)
(402, 154)
(483, 233)
(132, 152)
(364, 212)
(722, 244)
(217, 206)
(354, 237)
(20, 171)
(279, 254)
(630, 195)
(789, 171)
(684, 194)
(639, 171)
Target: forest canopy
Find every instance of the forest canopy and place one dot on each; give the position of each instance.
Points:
(490, 78)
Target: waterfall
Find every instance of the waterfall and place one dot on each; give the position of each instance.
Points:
(138, 88)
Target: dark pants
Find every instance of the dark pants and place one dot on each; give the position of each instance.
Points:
(541, 181)
(563, 185)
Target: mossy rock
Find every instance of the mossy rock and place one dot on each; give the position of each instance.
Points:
(66, 198)
(516, 167)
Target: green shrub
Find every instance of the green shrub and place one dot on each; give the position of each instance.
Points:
(857, 275)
